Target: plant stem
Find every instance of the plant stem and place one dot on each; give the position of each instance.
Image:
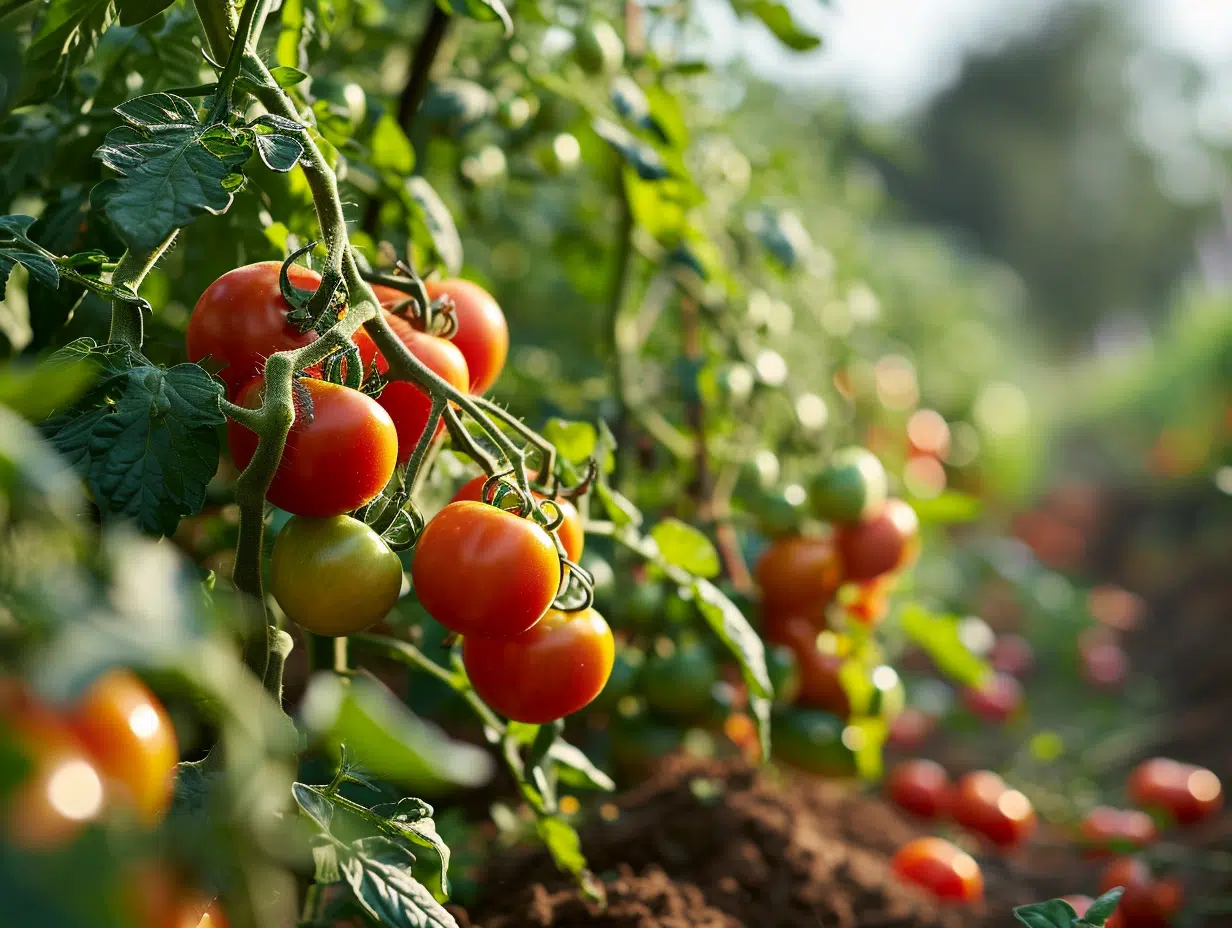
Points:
(694, 412)
(218, 22)
(281, 645)
(616, 299)
(245, 35)
(127, 326)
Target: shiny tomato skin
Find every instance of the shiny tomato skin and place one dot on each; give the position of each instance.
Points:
(885, 543)
(572, 538)
(1188, 793)
(483, 333)
(333, 464)
(850, 489)
(1104, 830)
(552, 670)
(920, 786)
(941, 868)
(409, 406)
(481, 571)
(820, 685)
(798, 574)
(333, 576)
(996, 700)
(983, 804)
(130, 736)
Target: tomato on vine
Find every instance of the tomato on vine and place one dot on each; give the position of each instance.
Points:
(335, 461)
(812, 739)
(1147, 902)
(333, 576)
(920, 786)
(132, 741)
(941, 868)
(677, 679)
(983, 804)
(820, 685)
(851, 488)
(1105, 830)
(572, 538)
(552, 670)
(798, 573)
(886, 542)
(1187, 793)
(996, 699)
(479, 570)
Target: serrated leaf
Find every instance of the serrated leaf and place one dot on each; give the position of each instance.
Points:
(938, 635)
(285, 76)
(1055, 913)
(391, 149)
(66, 38)
(482, 10)
(575, 441)
(412, 818)
(379, 873)
(778, 19)
(146, 441)
(279, 152)
(434, 222)
(687, 548)
(314, 804)
(733, 629)
(647, 162)
(172, 169)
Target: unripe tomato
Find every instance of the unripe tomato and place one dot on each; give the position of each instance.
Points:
(62, 790)
(1188, 793)
(572, 538)
(1012, 654)
(546, 673)
(812, 740)
(784, 672)
(851, 489)
(886, 542)
(483, 334)
(984, 805)
(130, 736)
(677, 679)
(639, 742)
(820, 685)
(798, 573)
(479, 570)
(598, 48)
(941, 868)
(333, 576)
(1105, 830)
(335, 462)
(996, 699)
(920, 786)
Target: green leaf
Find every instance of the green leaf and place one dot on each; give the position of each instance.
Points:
(286, 76)
(647, 162)
(431, 220)
(66, 38)
(1102, 908)
(1055, 913)
(315, 805)
(37, 390)
(280, 152)
(133, 12)
(412, 818)
(949, 507)
(289, 50)
(938, 635)
(16, 247)
(687, 548)
(482, 10)
(576, 441)
(575, 769)
(172, 169)
(379, 873)
(778, 19)
(386, 738)
(391, 149)
(620, 509)
(563, 843)
(146, 440)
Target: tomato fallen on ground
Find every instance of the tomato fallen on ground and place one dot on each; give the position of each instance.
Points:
(850, 489)
(983, 804)
(941, 868)
(677, 679)
(550, 671)
(820, 685)
(996, 700)
(886, 542)
(798, 574)
(1106, 830)
(333, 576)
(1187, 793)
(479, 570)
(335, 461)
(132, 741)
(572, 538)
(920, 786)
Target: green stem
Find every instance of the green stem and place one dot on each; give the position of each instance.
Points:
(281, 645)
(616, 299)
(245, 35)
(126, 322)
(219, 23)
(419, 455)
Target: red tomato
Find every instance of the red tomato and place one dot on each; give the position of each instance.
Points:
(920, 786)
(131, 738)
(887, 542)
(1188, 793)
(819, 672)
(481, 571)
(546, 673)
(996, 700)
(983, 804)
(1105, 829)
(1012, 654)
(1105, 665)
(941, 868)
(572, 538)
(798, 574)
(334, 463)
(911, 728)
(1147, 902)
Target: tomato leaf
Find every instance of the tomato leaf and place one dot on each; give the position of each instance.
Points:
(277, 142)
(562, 841)
(414, 824)
(314, 804)
(391, 149)
(172, 168)
(1055, 913)
(640, 156)
(133, 12)
(1098, 913)
(685, 547)
(482, 10)
(286, 76)
(938, 635)
(576, 441)
(379, 873)
(576, 769)
(778, 19)
(144, 438)
(433, 225)
(66, 38)
(17, 248)
(620, 509)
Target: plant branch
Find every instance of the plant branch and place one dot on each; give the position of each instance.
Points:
(245, 35)
(616, 299)
(127, 326)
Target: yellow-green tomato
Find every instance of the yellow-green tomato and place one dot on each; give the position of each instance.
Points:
(333, 576)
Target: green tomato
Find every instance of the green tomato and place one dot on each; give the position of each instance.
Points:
(779, 512)
(560, 156)
(626, 669)
(516, 112)
(644, 605)
(851, 489)
(641, 740)
(812, 740)
(677, 680)
(784, 672)
(598, 48)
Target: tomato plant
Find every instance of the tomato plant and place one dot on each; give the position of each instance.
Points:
(798, 573)
(850, 489)
(941, 868)
(569, 531)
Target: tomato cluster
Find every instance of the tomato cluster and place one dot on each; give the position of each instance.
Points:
(979, 801)
(1182, 793)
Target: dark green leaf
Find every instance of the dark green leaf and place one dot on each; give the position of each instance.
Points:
(285, 76)
(576, 441)
(17, 248)
(133, 12)
(391, 149)
(433, 222)
(1102, 908)
(1055, 913)
(66, 38)
(482, 10)
(733, 629)
(938, 635)
(647, 162)
(778, 18)
(379, 873)
(146, 441)
(686, 547)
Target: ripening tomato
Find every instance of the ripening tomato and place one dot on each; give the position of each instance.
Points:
(1187, 793)
(851, 489)
(884, 543)
(545, 673)
(941, 868)
(130, 736)
(920, 786)
(812, 739)
(479, 570)
(820, 685)
(996, 699)
(1105, 830)
(62, 790)
(676, 680)
(983, 804)
(911, 728)
(333, 576)
(572, 538)
(483, 334)
(1012, 654)
(798, 574)
(1147, 902)
(334, 462)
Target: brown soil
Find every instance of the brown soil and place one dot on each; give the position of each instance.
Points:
(723, 846)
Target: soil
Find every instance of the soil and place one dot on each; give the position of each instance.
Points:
(709, 845)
